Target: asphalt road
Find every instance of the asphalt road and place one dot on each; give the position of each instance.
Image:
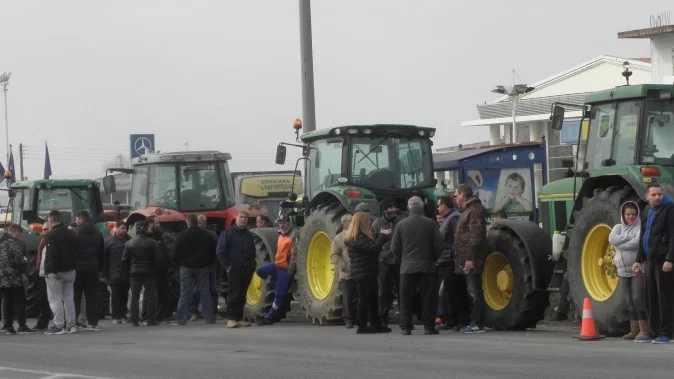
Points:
(302, 350)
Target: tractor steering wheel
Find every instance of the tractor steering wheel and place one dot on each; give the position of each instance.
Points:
(170, 194)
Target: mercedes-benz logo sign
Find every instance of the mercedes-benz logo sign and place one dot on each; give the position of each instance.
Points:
(142, 145)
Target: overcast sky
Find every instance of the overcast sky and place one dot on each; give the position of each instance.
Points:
(225, 75)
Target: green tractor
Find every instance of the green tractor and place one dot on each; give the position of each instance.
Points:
(630, 143)
(30, 203)
(344, 166)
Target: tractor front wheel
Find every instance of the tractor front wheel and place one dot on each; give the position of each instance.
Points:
(320, 295)
(591, 270)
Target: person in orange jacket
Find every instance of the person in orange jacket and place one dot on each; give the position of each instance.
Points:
(282, 270)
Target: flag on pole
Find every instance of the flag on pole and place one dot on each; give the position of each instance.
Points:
(2, 170)
(47, 162)
(10, 168)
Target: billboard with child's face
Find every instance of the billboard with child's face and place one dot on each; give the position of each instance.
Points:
(509, 190)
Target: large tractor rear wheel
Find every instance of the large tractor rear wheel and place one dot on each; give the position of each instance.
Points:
(260, 294)
(591, 270)
(320, 295)
(507, 281)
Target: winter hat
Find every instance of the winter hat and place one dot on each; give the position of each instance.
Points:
(363, 207)
(387, 203)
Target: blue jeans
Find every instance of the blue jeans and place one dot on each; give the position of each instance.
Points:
(281, 279)
(213, 283)
(474, 283)
(191, 279)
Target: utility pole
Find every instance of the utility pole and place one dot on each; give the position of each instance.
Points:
(307, 59)
(21, 161)
(4, 80)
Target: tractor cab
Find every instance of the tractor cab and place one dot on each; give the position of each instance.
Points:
(184, 181)
(171, 185)
(630, 127)
(31, 202)
(367, 162)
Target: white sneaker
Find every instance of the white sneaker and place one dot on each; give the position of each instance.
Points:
(71, 330)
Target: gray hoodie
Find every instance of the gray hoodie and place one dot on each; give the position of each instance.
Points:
(625, 238)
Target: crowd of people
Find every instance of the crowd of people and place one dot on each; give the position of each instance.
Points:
(433, 267)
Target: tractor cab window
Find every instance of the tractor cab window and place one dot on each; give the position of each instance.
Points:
(139, 184)
(325, 164)
(68, 201)
(659, 140)
(390, 162)
(21, 201)
(371, 162)
(625, 138)
(601, 138)
(200, 187)
(162, 186)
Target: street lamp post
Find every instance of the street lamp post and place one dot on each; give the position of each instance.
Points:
(307, 61)
(4, 81)
(513, 92)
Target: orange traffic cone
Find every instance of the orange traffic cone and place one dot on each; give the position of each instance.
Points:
(588, 332)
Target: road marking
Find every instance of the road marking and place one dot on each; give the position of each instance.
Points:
(51, 375)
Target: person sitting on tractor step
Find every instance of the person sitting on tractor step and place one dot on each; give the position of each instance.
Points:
(364, 262)
(236, 253)
(339, 256)
(280, 271)
(625, 238)
(656, 250)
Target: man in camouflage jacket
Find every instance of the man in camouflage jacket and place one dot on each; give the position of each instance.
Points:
(12, 268)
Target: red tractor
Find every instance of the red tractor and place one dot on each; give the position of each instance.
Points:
(172, 185)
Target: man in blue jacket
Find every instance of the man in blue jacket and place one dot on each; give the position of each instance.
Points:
(236, 252)
(656, 250)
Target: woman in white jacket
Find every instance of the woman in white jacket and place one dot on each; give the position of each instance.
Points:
(625, 238)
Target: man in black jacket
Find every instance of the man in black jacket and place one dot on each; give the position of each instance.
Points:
(194, 253)
(143, 255)
(59, 268)
(389, 264)
(236, 252)
(88, 266)
(166, 303)
(418, 242)
(454, 305)
(656, 250)
(115, 273)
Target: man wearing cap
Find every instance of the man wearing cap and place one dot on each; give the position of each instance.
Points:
(389, 263)
(282, 270)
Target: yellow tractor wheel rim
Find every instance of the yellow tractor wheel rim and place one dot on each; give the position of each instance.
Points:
(599, 272)
(497, 281)
(254, 293)
(320, 271)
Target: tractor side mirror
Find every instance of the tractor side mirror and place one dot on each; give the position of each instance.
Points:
(280, 154)
(557, 117)
(109, 185)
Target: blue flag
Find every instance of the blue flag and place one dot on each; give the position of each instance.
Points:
(47, 162)
(2, 170)
(10, 168)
